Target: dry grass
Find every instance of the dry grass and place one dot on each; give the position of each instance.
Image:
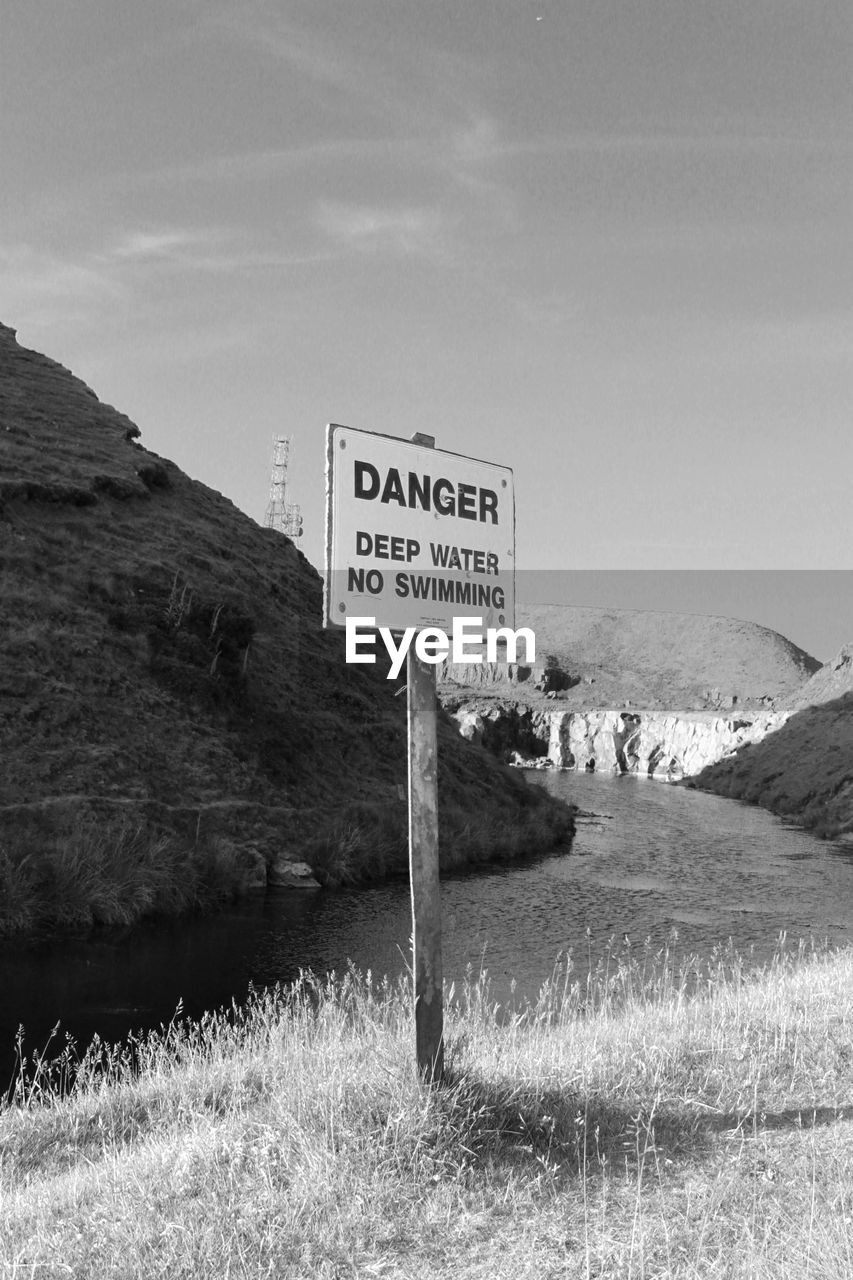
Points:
(651, 1122)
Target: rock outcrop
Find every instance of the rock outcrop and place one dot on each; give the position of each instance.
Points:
(543, 677)
(659, 745)
(657, 694)
(284, 873)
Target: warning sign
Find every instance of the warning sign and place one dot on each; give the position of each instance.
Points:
(416, 536)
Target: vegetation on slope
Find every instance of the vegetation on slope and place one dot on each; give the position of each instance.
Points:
(833, 680)
(802, 771)
(650, 1122)
(166, 684)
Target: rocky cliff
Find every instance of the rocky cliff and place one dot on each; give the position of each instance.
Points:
(655, 744)
(164, 671)
(663, 695)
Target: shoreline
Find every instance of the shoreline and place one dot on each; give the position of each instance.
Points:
(93, 873)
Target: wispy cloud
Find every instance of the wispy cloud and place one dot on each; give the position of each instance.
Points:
(207, 250)
(478, 141)
(273, 34)
(366, 64)
(270, 162)
(482, 141)
(35, 276)
(32, 273)
(354, 72)
(144, 245)
(404, 230)
(43, 287)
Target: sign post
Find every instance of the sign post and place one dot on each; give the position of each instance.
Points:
(423, 868)
(423, 860)
(416, 538)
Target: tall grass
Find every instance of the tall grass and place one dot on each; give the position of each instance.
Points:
(657, 1119)
(101, 872)
(78, 868)
(369, 840)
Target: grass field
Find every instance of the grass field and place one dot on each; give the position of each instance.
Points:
(649, 1122)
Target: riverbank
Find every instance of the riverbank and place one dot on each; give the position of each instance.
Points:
(94, 866)
(652, 1121)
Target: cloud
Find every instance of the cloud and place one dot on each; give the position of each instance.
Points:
(352, 69)
(479, 141)
(34, 276)
(364, 59)
(203, 250)
(47, 290)
(405, 230)
(482, 142)
(141, 245)
(271, 162)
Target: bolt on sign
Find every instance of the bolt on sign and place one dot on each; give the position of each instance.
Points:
(416, 536)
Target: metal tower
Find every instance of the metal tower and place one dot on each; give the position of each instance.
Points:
(282, 515)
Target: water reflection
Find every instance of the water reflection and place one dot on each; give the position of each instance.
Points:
(657, 860)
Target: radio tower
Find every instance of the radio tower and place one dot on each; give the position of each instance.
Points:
(282, 515)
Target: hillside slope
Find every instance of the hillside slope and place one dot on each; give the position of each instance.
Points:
(833, 680)
(805, 769)
(662, 660)
(163, 666)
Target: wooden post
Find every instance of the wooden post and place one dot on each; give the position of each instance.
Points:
(423, 868)
(423, 858)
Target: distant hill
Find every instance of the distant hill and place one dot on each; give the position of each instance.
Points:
(805, 769)
(163, 668)
(663, 660)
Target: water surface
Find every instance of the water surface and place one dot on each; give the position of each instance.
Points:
(673, 866)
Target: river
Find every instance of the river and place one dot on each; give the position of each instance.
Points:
(676, 867)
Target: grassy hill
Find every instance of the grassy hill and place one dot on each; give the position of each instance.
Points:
(805, 769)
(675, 661)
(171, 711)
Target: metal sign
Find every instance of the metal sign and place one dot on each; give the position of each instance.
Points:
(416, 536)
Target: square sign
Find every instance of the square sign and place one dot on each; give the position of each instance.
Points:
(416, 536)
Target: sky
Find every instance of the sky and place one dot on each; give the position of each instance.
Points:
(606, 244)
